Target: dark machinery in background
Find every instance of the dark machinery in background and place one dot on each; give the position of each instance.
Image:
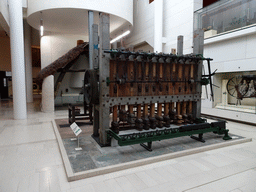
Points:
(242, 86)
(154, 96)
(63, 65)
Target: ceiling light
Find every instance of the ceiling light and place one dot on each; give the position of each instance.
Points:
(41, 25)
(120, 36)
(41, 28)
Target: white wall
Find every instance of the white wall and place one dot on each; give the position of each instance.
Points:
(177, 20)
(144, 47)
(143, 23)
(4, 15)
(233, 55)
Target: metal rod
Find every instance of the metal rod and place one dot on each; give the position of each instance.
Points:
(172, 81)
(90, 23)
(210, 78)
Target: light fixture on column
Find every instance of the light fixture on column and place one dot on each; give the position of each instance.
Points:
(41, 26)
(120, 36)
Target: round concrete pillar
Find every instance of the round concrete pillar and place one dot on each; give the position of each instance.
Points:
(17, 59)
(48, 94)
(48, 83)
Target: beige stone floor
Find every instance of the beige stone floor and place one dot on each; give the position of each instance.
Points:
(30, 161)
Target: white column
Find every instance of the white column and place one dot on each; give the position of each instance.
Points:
(28, 61)
(48, 94)
(17, 59)
(48, 83)
(158, 26)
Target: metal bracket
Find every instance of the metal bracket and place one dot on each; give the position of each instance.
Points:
(147, 147)
(199, 138)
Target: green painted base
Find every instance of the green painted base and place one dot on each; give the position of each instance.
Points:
(168, 133)
(227, 137)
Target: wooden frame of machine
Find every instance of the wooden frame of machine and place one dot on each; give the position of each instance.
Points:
(155, 96)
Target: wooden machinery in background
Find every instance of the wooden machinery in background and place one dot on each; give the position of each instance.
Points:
(143, 97)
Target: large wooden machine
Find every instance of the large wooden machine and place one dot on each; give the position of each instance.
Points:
(143, 97)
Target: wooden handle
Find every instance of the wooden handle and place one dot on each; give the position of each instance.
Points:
(122, 107)
(159, 109)
(115, 113)
(146, 70)
(139, 111)
(180, 70)
(171, 106)
(178, 108)
(184, 108)
(166, 109)
(190, 107)
(145, 111)
(130, 109)
(161, 71)
(152, 110)
(192, 71)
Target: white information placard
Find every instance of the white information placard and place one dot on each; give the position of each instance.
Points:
(75, 129)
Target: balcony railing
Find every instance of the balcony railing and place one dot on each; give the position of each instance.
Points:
(225, 15)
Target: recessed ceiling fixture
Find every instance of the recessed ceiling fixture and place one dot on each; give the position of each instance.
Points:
(120, 36)
(41, 26)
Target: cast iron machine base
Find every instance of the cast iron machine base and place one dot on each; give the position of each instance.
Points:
(168, 133)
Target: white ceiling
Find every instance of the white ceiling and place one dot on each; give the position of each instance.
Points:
(73, 21)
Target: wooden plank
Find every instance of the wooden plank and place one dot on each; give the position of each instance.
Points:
(152, 110)
(159, 109)
(178, 108)
(145, 111)
(139, 111)
(115, 113)
(184, 108)
(166, 109)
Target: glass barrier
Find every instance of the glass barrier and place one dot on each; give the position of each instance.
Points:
(224, 16)
(235, 91)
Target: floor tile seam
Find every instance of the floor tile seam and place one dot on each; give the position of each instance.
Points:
(34, 142)
(218, 179)
(245, 129)
(104, 181)
(2, 130)
(18, 125)
(239, 188)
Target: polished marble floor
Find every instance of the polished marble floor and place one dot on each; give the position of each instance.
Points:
(30, 161)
